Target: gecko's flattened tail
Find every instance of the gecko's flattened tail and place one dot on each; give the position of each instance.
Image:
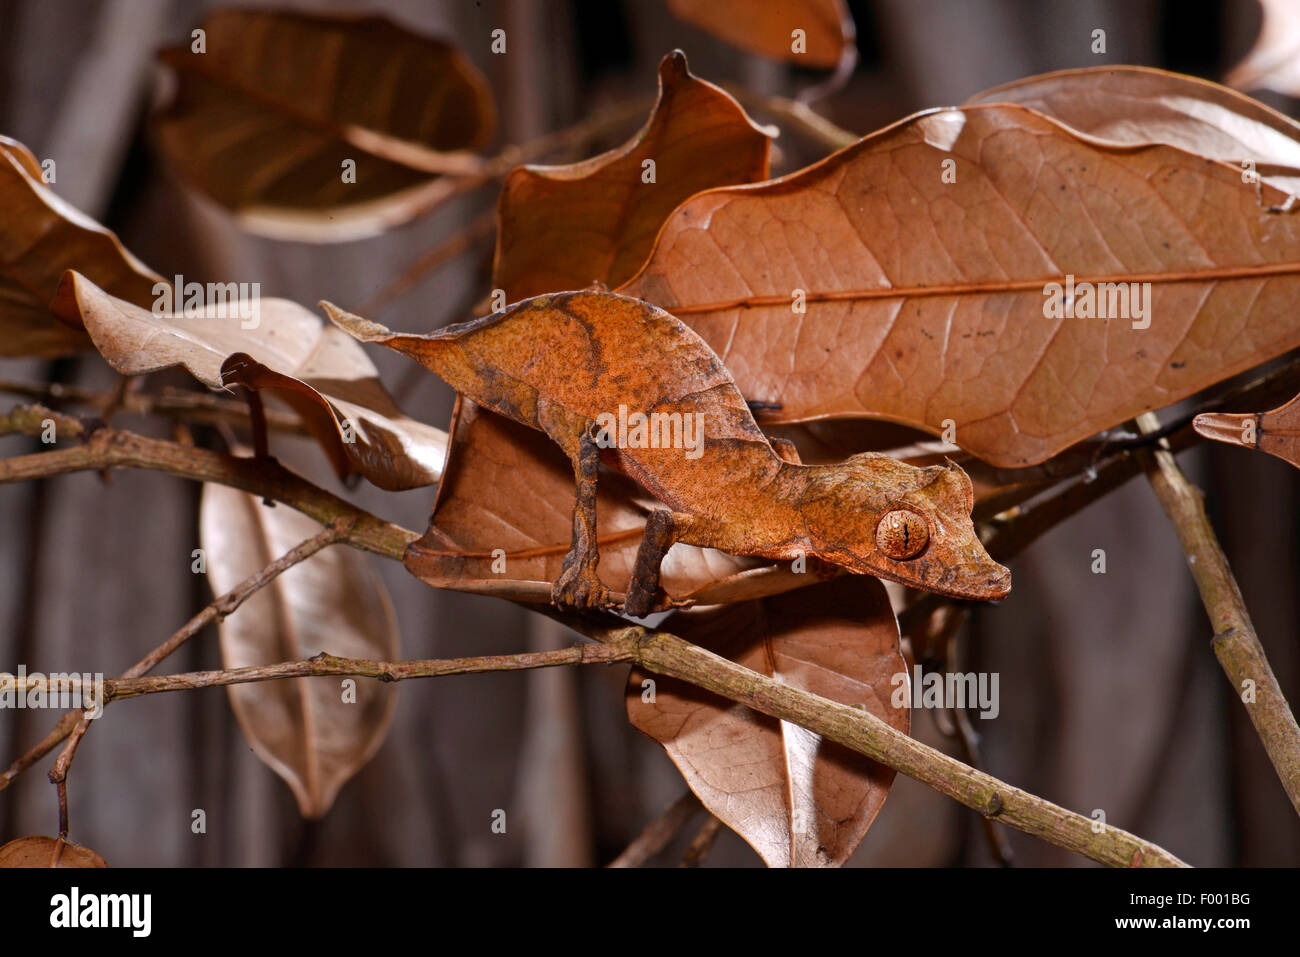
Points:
(358, 328)
(431, 350)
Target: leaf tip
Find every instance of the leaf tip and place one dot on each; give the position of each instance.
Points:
(65, 305)
(673, 67)
(354, 325)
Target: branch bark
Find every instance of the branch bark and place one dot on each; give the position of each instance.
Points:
(1235, 643)
(656, 835)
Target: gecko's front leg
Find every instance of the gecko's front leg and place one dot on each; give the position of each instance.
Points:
(578, 586)
(644, 594)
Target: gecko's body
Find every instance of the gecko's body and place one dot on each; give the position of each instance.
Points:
(560, 363)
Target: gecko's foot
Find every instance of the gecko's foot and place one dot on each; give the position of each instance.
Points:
(641, 602)
(579, 589)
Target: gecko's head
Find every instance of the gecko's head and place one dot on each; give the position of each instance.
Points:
(878, 516)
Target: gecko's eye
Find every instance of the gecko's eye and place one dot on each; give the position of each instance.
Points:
(902, 534)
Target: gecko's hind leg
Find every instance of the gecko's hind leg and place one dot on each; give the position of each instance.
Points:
(578, 585)
(644, 595)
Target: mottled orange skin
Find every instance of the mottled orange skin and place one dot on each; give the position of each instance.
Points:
(557, 362)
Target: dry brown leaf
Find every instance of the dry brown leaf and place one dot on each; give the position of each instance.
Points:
(1276, 432)
(1137, 106)
(768, 28)
(48, 852)
(316, 369)
(797, 799)
(926, 299)
(564, 227)
(509, 487)
(40, 237)
(304, 729)
(1274, 61)
(263, 121)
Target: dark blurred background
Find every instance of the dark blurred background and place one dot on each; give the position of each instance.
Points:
(1111, 697)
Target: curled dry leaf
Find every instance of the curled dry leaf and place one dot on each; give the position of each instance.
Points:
(40, 237)
(797, 799)
(565, 227)
(934, 298)
(502, 522)
(265, 119)
(48, 852)
(1138, 106)
(1274, 61)
(316, 369)
(769, 28)
(1276, 432)
(310, 731)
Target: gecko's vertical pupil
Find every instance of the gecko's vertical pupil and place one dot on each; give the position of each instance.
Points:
(902, 534)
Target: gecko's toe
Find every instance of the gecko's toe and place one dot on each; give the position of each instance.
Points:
(579, 589)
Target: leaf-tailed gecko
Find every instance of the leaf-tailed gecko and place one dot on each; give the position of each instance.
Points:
(560, 362)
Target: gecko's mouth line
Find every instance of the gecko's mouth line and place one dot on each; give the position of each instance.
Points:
(993, 587)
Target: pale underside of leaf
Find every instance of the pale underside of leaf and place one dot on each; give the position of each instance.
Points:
(285, 350)
(1138, 106)
(332, 602)
(925, 299)
(797, 799)
(1274, 61)
(40, 237)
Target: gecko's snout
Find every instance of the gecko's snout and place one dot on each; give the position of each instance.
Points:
(997, 582)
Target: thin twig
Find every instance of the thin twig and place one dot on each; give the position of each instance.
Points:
(1235, 643)
(326, 664)
(59, 773)
(702, 843)
(549, 147)
(218, 609)
(109, 448)
(969, 740)
(480, 230)
(203, 408)
(658, 832)
(796, 116)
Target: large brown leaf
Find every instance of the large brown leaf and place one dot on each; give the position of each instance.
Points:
(564, 227)
(767, 28)
(302, 728)
(509, 487)
(47, 852)
(316, 369)
(40, 237)
(1276, 432)
(797, 799)
(263, 121)
(926, 299)
(1274, 61)
(1137, 106)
